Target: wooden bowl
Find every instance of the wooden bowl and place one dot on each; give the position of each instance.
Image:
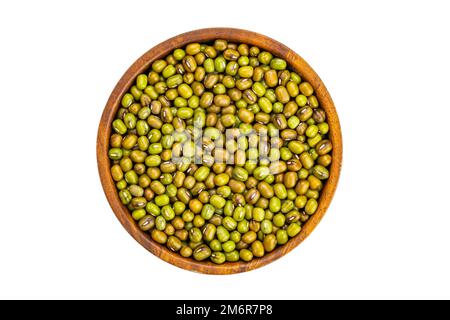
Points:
(141, 65)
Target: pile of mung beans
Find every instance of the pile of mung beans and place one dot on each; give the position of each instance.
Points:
(187, 158)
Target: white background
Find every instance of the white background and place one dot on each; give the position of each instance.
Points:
(387, 67)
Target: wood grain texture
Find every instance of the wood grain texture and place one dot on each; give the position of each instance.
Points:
(160, 51)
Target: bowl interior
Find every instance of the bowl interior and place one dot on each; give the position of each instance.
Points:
(143, 63)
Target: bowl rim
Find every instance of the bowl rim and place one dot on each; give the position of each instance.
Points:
(143, 63)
